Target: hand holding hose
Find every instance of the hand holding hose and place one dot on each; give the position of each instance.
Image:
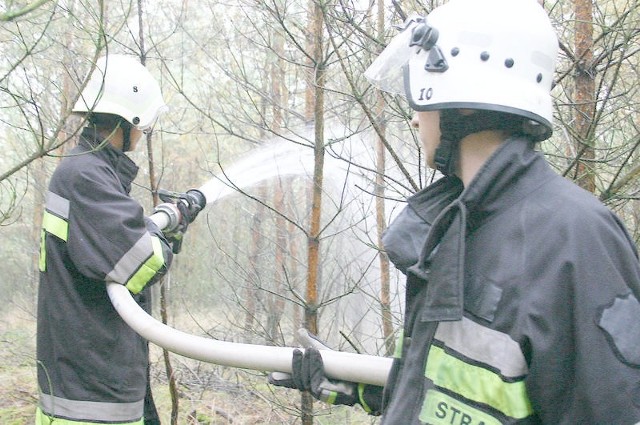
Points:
(308, 374)
(182, 209)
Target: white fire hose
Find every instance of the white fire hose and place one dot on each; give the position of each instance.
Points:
(338, 365)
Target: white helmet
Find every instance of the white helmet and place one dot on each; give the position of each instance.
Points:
(495, 55)
(122, 86)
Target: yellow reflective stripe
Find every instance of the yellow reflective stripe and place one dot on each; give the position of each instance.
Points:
(440, 409)
(477, 384)
(148, 269)
(363, 403)
(331, 399)
(43, 419)
(55, 225)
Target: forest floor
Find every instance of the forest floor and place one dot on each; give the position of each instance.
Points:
(207, 394)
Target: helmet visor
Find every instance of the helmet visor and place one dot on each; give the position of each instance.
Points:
(148, 127)
(386, 71)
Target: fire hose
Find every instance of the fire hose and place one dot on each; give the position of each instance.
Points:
(338, 365)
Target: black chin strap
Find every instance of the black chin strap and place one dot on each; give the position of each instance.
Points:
(126, 135)
(112, 122)
(455, 126)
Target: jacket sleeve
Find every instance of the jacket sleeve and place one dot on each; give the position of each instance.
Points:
(109, 238)
(583, 323)
(167, 252)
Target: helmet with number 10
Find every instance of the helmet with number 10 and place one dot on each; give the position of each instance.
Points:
(495, 55)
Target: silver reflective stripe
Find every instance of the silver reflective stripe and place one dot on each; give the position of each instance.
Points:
(57, 205)
(91, 410)
(484, 345)
(132, 260)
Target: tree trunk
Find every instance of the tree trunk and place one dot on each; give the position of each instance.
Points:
(385, 302)
(584, 95)
(313, 238)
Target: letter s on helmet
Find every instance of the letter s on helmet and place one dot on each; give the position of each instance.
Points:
(496, 55)
(121, 85)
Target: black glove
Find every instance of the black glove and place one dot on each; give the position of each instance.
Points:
(189, 204)
(308, 374)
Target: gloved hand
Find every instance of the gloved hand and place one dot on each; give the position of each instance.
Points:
(188, 204)
(308, 374)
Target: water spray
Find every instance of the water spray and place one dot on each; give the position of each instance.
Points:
(338, 365)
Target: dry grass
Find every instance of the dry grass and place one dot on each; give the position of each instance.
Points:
(208, 394)
(18, 392)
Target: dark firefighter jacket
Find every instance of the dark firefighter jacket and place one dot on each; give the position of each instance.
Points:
(91, 364)
(521, 303)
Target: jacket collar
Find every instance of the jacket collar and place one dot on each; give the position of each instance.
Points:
(124, 167)
(445, 214)
(499, 183)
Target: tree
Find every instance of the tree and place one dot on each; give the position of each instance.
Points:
(596, 119)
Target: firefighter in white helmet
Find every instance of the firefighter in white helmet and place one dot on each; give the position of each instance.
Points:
(92, 367)
(121, 89)
(522, 289)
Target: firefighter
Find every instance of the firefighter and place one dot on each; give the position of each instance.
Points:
(521, 288)
(93, 368)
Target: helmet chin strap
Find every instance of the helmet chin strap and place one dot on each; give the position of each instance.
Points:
(126, 135)
(455, 126)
